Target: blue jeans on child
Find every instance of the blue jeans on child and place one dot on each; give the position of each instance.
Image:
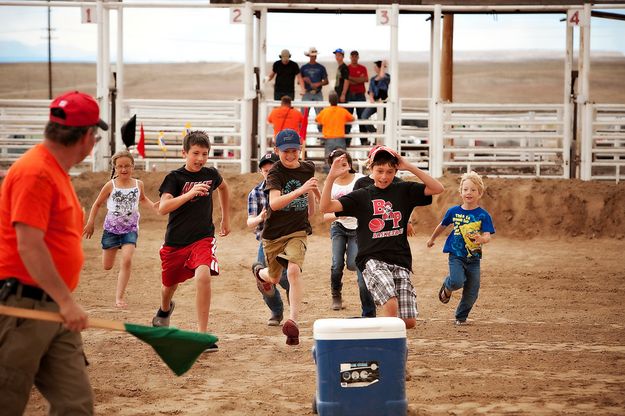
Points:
(464, 272)
(344, 245)
(274, 302)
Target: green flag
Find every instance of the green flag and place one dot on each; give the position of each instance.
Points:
(177, 348)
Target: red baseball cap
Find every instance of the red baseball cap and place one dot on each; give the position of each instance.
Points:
(382, 149)
(76, 109)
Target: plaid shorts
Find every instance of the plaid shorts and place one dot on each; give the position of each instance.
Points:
(386, 281)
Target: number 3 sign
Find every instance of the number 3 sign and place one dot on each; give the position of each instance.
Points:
(383, 17)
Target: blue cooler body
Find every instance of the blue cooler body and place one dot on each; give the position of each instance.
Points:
(361, 367)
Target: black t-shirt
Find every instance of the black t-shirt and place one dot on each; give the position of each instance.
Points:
(341, 74)
(293, 217)
(193, 220)
(383, 216)
(285, 76)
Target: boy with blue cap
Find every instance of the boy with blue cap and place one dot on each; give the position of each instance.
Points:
(289, 186)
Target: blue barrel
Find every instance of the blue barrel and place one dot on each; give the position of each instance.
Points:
(361, 367)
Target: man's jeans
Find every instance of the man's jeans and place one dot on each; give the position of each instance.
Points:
(344, 245)
(366, 115)
(318, 96)
(274, 302)
(464, 272)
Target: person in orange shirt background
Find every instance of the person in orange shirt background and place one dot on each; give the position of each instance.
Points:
(287, 117)
(333, 120)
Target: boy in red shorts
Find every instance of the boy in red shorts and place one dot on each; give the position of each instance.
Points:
(189, 248)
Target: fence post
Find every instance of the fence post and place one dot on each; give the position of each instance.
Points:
(248, 90)
(435, 122)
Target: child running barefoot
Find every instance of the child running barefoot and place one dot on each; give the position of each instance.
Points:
(383, 211)
(122, 194)
(472, 229)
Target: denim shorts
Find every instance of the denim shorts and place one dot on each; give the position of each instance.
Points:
(110, 240)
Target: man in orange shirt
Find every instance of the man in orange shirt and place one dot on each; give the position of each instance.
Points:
(333, 120)
(41, 256)
(285, 116)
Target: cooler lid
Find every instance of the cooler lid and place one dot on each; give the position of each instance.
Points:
(359, 328)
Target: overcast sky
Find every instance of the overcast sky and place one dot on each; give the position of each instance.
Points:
(179, 35)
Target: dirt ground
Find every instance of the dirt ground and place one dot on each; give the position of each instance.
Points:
(545, 337)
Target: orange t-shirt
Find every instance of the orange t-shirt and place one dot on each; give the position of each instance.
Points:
(333, 121)
(38, 192)
(285, 118)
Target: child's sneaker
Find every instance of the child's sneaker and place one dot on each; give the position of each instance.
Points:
(443, 296)
(264, 287)
(162, 318)
(274, 320)
(212, 348)
(291, 331)
(461, 322)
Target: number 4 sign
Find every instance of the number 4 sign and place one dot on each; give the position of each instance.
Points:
(576, 17)
(88, 14)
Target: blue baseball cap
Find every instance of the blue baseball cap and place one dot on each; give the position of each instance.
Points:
(339, 50)
(288, 139)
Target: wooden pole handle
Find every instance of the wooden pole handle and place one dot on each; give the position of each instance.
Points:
(56, 317)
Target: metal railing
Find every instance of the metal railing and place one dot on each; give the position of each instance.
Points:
(22, 123)
(165, 123)
(507, 140)
(607, 148)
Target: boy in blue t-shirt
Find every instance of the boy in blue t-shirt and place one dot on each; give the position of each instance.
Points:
(472, 229)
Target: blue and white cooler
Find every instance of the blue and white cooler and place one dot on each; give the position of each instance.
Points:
(361, 367)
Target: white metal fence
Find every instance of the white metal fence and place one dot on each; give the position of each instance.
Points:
(496, 139)
(607, 147)
(505, 139)
(22, 123)
(165, 122)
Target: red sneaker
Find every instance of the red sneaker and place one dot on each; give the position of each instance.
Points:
(291, 331)
(265, 287)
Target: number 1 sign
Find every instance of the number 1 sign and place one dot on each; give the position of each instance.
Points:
(88, 14)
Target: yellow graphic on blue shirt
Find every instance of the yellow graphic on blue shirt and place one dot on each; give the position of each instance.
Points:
(469, 231)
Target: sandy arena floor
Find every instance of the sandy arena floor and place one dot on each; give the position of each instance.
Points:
(545, 337)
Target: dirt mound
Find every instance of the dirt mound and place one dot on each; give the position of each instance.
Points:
(521, 208)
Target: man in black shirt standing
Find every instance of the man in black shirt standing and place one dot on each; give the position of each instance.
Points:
(285, 71)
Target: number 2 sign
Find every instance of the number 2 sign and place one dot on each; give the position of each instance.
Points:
(236, 15)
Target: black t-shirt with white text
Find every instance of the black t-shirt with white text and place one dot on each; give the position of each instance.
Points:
(193, 220)
(383, 216)
(293, 217)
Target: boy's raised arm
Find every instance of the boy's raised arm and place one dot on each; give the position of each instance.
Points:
(432, 186)
(338, 168)
(278, 201)
(168, 203)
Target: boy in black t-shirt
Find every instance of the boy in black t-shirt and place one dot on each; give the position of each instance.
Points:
(383, 211)
(189, 247)
(290, 185)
